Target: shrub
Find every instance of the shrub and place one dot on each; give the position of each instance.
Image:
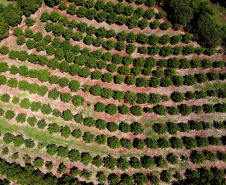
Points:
(197, 157)
(1, 111)
(21, 118)
(25, 103)
(185, 109)
(107, 77)
(130, 48)
(66, 97)
(38, 162)
(112, 127)
(100, 124)
(163, 143)
(77, 133)
(89, 121)
(86, 158)
(130, 80)
(155, 24)
(31, 121)
(41, 124)
(18, 31)
(11, 82)
(189, 143)
(136, 71)
(18, 140)
(3, 81)
(138, 144)
(160, 128)
(88, 137)
(177, 97)
(130, 97)
(4, 50)
(67, 115)
(111, 109)
(100, 139)
(124, 127)
(100, 107)
(172, 158)
(136, 110)
(119, 79)
(8, 138)
(65, 131)
(176, 143)
(160, 109)
(113, 142)
(5, 98)
(74, 155)
(5, 151)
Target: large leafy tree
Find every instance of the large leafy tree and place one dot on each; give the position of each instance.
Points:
(12, 15)
(180, 11)
(4, 28)
(29, 6)
(206, 30)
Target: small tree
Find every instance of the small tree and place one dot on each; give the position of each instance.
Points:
(113, 142)
(65, 131)
(38, 162)
(197, 157)
(9, 114)
(86, 158)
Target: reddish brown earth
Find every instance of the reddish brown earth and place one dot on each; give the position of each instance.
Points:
(146, 119)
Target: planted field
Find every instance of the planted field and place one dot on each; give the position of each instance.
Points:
(112, 92)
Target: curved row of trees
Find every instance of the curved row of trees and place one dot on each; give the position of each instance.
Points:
(120, 14)
(111, 162)
(74, 69)
(173, 128)
(28, 174)
(101, 32)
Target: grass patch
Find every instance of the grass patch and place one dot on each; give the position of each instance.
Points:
(5, 2)
(43, 136)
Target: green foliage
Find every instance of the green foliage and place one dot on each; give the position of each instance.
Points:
(89, 121)
(86, 158)
(111, 109)
(49, 165)
(21, 118)
(53, 128)
(100, 107)
(74, 155)
(77, 133)
(18, 140)
(8, 138)
(31, 121)
(126, 143)
(65, 131)
(62, 168)
(5, 98)
(41, 124)
(113, 142)
(97, 161)
(197, 157)
(138, 143)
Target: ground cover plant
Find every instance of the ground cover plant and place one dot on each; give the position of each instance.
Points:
(112, 92)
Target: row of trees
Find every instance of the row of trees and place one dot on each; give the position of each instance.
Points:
(28, 174)
(129, 80)
(131, 37)
(161, 110)
(173, 128)
(102, 32)
(96, 90)
(110, 11)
